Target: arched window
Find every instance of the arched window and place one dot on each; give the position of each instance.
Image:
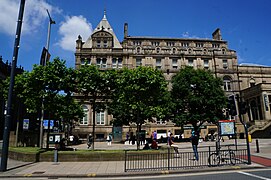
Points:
(227, 83)
(84, 120)
(158, 50)
(138, 49)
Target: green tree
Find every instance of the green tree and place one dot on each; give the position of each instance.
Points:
(198, 97)
(93, 84)
(43, 84)
(141, 95)
(67, 110)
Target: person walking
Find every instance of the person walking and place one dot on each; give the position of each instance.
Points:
(171, 144)
(195, 141)
(90, 140)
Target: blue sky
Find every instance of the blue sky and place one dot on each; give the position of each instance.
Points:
(245, 24)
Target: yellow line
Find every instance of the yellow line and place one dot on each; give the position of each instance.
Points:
(91, 175)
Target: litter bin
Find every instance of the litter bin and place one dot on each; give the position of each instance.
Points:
(249, 138)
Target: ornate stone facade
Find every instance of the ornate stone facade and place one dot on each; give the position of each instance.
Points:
(170, 55)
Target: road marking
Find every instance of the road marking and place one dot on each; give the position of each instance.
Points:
(252, 175)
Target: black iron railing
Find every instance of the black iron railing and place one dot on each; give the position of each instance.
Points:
(167, 159)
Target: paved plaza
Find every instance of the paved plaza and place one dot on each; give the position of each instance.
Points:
(116, 168)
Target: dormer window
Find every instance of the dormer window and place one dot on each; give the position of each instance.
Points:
(98, 43)
(105, 44)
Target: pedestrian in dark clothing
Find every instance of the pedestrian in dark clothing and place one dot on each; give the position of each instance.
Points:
(90, 140)
(133, 139)
(171, 144)
(127, 137)
(195, 141)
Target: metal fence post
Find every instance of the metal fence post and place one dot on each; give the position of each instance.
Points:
(168, 157)
(125, 155)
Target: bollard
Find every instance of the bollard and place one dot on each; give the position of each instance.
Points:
(257, 146)
(55, 156)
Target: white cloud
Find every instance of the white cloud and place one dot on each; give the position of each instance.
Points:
(187, 35)
(70, 29)
(34, 14)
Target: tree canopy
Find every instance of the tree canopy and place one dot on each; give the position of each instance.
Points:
(198, 97)
(141, 95)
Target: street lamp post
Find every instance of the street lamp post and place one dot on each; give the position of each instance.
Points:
(8, 118)
(51, 21)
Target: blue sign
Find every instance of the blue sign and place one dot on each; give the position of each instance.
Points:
(45, 124)
(25, 124)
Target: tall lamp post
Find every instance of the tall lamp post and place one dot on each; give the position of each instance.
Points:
(8, 118)
(43, 62)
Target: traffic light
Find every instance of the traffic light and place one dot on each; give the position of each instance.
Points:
(232, 106)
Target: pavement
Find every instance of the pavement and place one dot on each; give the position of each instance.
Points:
(116, 168)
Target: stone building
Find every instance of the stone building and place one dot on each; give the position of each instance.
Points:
(5, 70)
(103, 49)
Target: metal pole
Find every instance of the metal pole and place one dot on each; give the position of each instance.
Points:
(46, 57)
(8, 117)
(246, 131)
(257, 146)
(93, 121)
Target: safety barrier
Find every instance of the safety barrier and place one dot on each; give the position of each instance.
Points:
(168, 159)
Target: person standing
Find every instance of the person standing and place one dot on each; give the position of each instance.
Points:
(127, 136)
(109, 139)
(168, 137)
(155, 135)
(195, 142)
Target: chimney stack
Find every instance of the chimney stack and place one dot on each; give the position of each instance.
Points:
(125, 30)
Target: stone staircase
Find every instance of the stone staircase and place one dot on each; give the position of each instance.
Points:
(260, 129)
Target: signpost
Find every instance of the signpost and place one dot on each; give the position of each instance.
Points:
(226, 127)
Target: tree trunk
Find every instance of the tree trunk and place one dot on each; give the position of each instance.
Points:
(138, 127)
